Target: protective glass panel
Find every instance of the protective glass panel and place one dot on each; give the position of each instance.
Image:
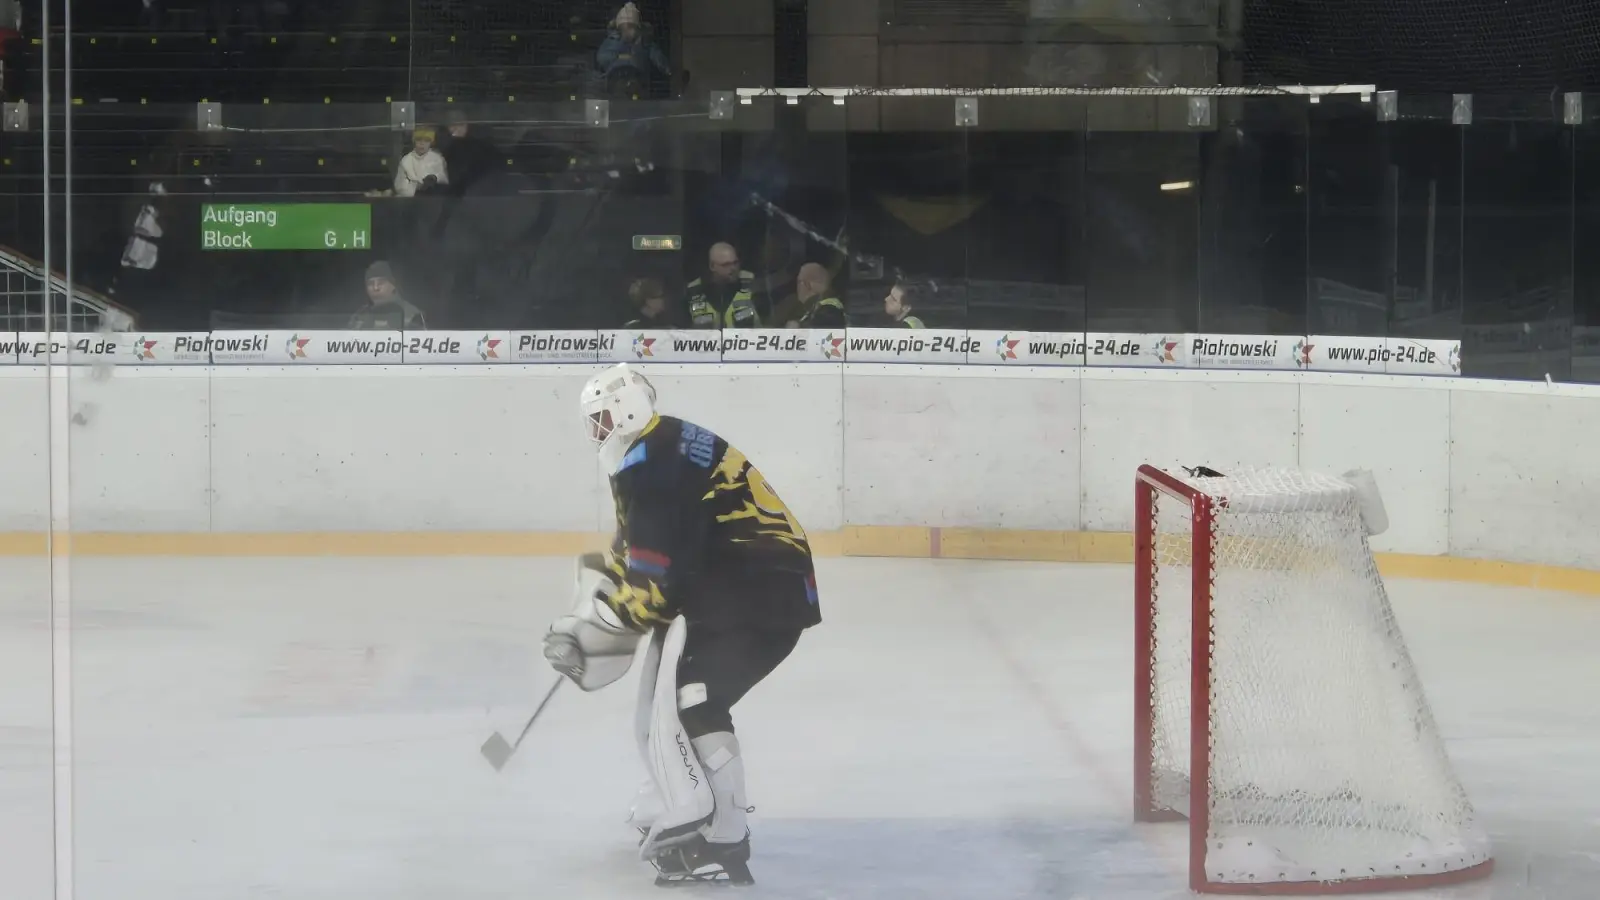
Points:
(1143, 271)
(1253, 235)
(1517, 239)
(1586, 231)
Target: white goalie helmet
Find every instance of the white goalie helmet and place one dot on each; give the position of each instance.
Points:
(617, 405)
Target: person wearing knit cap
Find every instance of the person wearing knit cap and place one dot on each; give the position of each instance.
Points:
(385, 309)
(422, 168)
(628, 46)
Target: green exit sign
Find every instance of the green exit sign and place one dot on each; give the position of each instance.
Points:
(286, 226)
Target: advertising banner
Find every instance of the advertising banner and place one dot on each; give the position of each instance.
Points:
(1132, 349)
(561, 346)
(457, 347)
(1335, 353)
(1243, 351)
(936, 346)
(1378, 355)
(775, 345)
(282, 347)
(1026, 348)
(163, 348)
(1422, 356)
(662, 346)
(35, 348)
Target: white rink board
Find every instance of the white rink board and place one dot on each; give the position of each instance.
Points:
(1525, 478)
(1344, 428)
(432, 454)
(1173, 419)
(978, 447)
(1498, 470)
(25, 452)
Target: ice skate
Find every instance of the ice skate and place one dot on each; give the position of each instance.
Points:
(700, 862)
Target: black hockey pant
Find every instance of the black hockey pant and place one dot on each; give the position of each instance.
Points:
(728, 661)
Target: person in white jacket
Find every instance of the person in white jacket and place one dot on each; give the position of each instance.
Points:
(420, 168)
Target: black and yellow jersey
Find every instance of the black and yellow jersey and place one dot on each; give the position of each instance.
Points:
(700, 532)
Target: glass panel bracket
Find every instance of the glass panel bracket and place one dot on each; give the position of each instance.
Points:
(402, 115)
(966, 112)
(1388, 106)
(14, 116)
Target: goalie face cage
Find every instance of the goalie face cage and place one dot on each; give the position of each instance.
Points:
(1275, 705)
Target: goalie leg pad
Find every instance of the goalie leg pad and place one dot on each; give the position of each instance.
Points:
(647, 808)
(680, 778)
(649, 671)
(719, 752)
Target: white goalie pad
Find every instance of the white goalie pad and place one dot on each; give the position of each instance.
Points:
(590, 644)
(719, 753)
(682, 782)
(646, 807)
(649, 670)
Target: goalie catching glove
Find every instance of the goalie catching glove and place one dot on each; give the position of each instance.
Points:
(591, 645)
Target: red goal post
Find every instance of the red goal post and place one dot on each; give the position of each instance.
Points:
(1277, 618)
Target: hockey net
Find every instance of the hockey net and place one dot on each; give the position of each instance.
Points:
(1277, 707)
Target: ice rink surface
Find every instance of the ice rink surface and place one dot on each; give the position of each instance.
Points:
(308, 729)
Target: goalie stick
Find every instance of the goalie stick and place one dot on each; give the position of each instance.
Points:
(497, 750)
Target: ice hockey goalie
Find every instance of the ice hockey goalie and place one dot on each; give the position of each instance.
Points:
(712, 570)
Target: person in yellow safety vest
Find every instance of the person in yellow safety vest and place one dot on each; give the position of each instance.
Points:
(819, 308)
(724, 298)
(897, 306)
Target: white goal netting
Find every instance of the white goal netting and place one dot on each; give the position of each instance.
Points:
(1324, 763)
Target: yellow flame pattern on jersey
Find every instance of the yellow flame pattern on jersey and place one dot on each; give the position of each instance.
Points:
(761, 502)
(640, 605)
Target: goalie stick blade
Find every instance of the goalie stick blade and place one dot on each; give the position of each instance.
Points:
(497, 750)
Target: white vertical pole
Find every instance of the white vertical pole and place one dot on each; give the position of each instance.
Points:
(59, 526)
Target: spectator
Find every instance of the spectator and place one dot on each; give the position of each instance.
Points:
(421, 169)
(385, 309)
(649, 301)
(468, 154)
(628, 58)
(724, 297)
(819, 308)
(897, 305)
